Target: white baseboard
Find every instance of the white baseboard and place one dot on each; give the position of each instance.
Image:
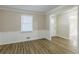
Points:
(63, 37)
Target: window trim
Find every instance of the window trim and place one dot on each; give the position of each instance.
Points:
(21, 24)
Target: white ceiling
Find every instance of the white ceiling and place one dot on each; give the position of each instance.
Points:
(37, 8)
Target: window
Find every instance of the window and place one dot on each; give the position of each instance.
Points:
(26, 23)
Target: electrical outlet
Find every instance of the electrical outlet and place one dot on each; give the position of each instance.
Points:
(27, 37)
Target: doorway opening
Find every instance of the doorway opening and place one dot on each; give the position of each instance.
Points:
(52, 26)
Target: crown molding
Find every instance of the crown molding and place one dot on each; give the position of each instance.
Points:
(59, 9)
(21, 10)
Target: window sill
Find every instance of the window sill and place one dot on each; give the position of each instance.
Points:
(26, 31)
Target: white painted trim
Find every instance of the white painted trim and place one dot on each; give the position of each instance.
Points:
(59, 9)
(52, 10)
(62, 37)
(13, 37)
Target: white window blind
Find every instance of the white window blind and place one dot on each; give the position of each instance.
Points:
(26, 23)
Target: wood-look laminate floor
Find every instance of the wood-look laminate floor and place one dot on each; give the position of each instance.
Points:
(43, 46)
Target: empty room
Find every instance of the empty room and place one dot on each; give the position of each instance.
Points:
(38, 29)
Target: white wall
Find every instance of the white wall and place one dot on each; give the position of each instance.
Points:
(62, 26)
(78, 29)
(10, 27)
(52, 25)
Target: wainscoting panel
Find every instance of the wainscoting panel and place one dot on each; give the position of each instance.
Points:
(13, 37)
